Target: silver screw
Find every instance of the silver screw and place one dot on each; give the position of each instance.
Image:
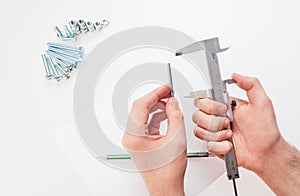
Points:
(48, 75)
(74, 55)
(68, 31)
(57, 76)
(58, 32)
(66, 66)
(66, 36)
(66, 47)
(63, 58)
(62, 71)
(79, 52)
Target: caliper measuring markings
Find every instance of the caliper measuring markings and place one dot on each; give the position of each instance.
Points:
(218, 92)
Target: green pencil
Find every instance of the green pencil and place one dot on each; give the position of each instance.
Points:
(127, 156)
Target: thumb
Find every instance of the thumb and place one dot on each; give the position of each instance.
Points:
(255, 92)
(175, 118)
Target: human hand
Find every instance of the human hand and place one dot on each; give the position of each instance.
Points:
(255, 133)
(161, 159)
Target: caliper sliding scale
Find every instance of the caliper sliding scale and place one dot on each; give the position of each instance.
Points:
(218, 92)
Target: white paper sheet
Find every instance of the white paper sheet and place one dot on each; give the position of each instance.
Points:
(104, 180)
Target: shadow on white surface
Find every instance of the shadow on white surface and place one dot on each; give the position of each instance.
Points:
(103, 180)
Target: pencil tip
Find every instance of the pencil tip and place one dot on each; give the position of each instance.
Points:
(178, 53)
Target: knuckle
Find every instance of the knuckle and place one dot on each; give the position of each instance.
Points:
(221, 136)
(137, 104)
(198, 133)
(216, 123)
(207, 105)
(255, 80)
(218, 136)
(177, 114)
(210, 146)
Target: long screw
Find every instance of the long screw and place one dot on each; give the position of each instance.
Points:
(73, 54)
(48, 75)
(57, 76)
(60, 60)
(63, 58)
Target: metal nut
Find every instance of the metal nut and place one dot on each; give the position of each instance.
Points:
(75, 27)
(83, 27)
(98, 26)
(91, 27)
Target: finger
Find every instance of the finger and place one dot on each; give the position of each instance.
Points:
(140, 109)
(255, 92)
(212, 136)
(154, 124)
(219, 148)
(159, 105)
(210, 122)
(209, 106)
(221, 156)
(175, 118)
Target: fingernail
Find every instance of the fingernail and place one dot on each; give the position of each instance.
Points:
(173, 103)
(226, 123)
(222, 109)
(163, 86)
(228, 134)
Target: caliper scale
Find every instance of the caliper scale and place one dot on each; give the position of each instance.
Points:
(218, 92)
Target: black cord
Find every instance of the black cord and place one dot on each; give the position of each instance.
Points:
(234, 186)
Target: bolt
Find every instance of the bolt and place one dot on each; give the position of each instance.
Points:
(48, 75)
(63, 58)
(57, 76)
(68, 39)
(66, 47)
(58, 32)
(62, 71)
(64, 36)
(70, 33)
(75, 56)
(66, 66)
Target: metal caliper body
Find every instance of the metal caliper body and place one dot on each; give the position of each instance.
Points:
(218, 92)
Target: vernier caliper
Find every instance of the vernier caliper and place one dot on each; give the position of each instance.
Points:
(218, 92)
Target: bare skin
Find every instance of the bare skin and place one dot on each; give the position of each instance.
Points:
(259, 145)
(147, 150)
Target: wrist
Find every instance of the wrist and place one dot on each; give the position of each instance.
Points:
(170, 191)
(166, 187)
(267, 163)
(282, 165)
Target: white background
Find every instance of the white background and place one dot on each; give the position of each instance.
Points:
(264, 41)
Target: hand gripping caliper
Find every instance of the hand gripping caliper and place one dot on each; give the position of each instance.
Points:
(218, 92)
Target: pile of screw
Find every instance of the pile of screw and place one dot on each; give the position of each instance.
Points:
(74, 28)
(60, 60)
